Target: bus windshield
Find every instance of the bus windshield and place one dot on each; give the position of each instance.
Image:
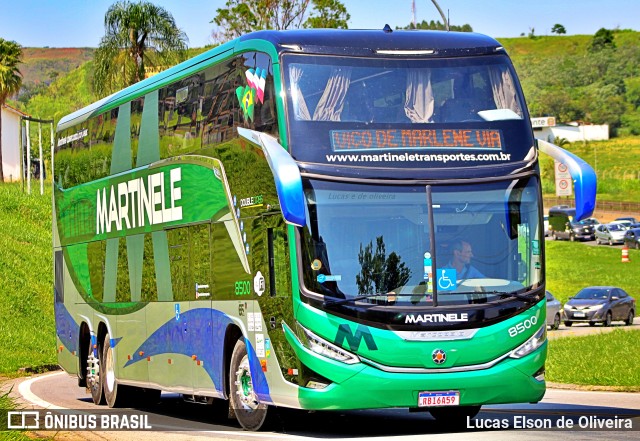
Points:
(411, 91)
(340, 105)
(375, 239)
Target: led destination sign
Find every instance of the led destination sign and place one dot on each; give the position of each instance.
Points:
(358, 140)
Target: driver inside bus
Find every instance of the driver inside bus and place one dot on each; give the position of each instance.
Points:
(461, 261)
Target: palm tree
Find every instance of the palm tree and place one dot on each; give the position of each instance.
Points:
(137, 35)
(10, 79)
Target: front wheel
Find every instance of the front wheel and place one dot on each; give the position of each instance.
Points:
(250, 413)
(608, 319)
(454, 415)
(568, 324)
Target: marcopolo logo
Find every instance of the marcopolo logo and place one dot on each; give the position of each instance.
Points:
(139, 202)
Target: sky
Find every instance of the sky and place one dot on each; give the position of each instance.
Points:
(80, 23)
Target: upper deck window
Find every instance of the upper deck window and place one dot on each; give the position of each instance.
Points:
(407, 91)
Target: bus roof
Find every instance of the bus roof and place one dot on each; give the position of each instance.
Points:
(385, 42)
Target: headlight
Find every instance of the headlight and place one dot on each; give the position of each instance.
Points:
(596, 307)
(530, 345)
(323, 347)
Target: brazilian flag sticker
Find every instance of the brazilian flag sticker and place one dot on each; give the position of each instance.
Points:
(247, 97)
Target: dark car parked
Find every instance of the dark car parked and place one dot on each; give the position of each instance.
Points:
(631, 219)
(632, 238)
(562, 225)
(600, 304)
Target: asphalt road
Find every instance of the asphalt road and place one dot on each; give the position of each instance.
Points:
(173, 419)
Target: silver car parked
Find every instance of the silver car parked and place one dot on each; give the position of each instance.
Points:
(610, 233)
(554, 311)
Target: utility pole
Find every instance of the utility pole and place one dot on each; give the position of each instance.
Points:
(413, 13)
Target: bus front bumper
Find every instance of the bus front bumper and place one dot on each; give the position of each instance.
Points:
(361, 386)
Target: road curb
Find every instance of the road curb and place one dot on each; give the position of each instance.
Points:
(592, 388)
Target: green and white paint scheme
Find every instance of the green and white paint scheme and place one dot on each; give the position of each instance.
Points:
(196, 250)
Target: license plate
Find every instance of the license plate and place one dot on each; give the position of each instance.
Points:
(428, 399)
(578, 314)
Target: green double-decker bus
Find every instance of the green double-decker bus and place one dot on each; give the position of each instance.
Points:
(313, 219)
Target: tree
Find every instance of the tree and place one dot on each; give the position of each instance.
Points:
(558, 29)
(379, 273)
(240, 17)
(10, 79)
(330, 14)
(603, 39)
(438, 26)
(138, 35)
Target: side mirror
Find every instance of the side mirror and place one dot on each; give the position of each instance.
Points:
(583, 176)
(286, 175)
(615, 298)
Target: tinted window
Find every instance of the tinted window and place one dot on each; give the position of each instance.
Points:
(593, 293)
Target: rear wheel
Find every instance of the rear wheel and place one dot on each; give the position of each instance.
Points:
(116, 395)
(94, 376)
(568, 323)
(556, 322)
(592, 323)
(250, 413)
(454, 415)
(608, 319)
(629, 320)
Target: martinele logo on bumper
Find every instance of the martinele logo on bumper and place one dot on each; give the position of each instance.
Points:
(138, 202)
(437, 318)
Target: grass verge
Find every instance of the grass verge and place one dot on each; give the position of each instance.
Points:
(572, 266)
(7, 404)
(27, 332)
(610, 359)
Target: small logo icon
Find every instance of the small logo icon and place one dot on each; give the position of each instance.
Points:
(439, 356)
(447, 279)
(258, 283)
(23, 420)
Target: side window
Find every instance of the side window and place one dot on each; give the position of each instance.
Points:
(620, 293)
(255, 93)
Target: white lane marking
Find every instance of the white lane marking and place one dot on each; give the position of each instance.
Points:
(25, 390)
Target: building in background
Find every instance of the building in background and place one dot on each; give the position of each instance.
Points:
(546, 128)
(11, 123)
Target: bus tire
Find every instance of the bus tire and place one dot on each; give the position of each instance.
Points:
(94, 378)
(454, 415)
(116, 395)
(250, 413)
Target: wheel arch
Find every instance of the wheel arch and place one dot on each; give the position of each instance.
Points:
(232, 334)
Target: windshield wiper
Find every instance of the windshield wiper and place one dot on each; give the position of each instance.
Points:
(498, 293)
(513, 295)
(355, 299)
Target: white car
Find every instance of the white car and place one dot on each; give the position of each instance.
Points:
(554, 311)
(610, 233)
(626, 224)
(546, 225)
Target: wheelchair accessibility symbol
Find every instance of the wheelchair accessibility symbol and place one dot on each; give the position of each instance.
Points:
(447, 279)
